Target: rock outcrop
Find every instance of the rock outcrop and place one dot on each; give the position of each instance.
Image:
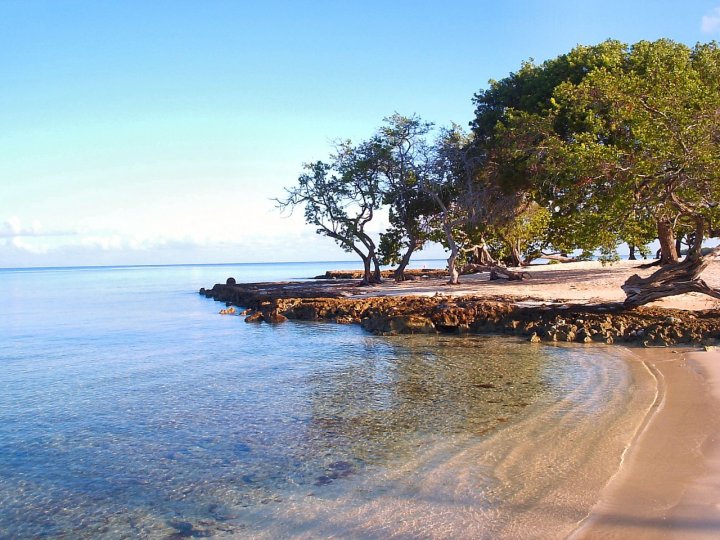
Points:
(609, 323)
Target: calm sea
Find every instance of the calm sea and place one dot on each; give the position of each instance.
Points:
(130, 408)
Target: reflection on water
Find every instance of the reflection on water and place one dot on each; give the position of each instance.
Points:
(401, 389)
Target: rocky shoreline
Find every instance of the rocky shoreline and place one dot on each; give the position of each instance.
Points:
(522, 316)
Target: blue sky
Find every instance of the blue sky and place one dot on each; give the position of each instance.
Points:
(158, 132)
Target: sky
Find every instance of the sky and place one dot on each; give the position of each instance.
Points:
(159, 132)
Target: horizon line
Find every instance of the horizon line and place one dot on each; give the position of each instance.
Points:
(101, 266)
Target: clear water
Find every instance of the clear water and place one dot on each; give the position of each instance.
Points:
(130, 408)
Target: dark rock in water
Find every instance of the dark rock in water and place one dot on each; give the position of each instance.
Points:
(323, 480)
(274, 317)
(341, 468)
(230, 281)
(186, 530)
(337, 469)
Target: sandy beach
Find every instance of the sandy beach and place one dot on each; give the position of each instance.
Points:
(580, 282)
(668, 484)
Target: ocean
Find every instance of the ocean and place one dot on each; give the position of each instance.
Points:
(129, 408)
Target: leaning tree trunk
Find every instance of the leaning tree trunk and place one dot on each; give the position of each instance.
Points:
(666, 236)
(400, 270)
(376, 275)
(498, 272)
(483, 256)
(453, 271)
(673, 279)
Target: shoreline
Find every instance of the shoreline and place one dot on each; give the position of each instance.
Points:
(534, 477)
(646, 467)
(668, 483)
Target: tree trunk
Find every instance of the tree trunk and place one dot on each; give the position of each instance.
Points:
(559, 257)
(453, 272)
(400, 270)
(673, 279)
(666, 236)
(376, 275)
(632, 253)
(367, 273)
(482, 255)
(515, 257)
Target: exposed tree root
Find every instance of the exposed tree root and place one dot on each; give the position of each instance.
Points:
(499, 272)
(671, 280)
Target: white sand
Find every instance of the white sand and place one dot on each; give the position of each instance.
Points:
(589, 282)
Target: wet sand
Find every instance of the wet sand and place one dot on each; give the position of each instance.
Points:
(668, 485)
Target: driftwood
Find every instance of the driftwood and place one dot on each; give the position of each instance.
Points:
(558, 257)
(472, 268)
(671, 280)
(499, 272)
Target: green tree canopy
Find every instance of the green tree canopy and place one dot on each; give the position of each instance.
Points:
(405, 166)
(626, 139)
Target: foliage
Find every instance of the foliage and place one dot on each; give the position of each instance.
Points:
(521, 236)
(610, 138)
(405, 165)
(603, 145)
(340, 198)
(647, 135)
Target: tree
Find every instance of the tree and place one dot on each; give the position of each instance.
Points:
(405, 166)
(616, 140)
(468, 200)
(656, 120)
(520, 237)
(340, 198)
(450, 186)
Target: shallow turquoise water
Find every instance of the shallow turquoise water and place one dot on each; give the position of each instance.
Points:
(129, 407)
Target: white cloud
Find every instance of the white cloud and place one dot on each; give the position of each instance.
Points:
(210, 236)
(710, 23)
(13, 227)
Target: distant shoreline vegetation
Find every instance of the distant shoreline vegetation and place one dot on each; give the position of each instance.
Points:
(605, 145)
